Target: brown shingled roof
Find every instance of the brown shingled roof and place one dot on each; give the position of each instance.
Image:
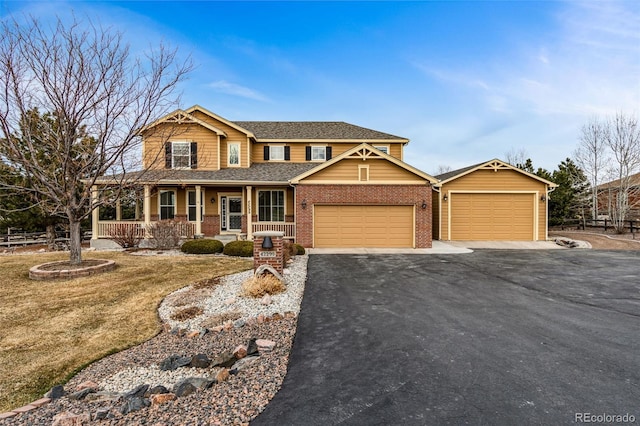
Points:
(313, 130)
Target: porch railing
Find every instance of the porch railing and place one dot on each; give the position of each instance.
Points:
(110, 228)
(289, 228)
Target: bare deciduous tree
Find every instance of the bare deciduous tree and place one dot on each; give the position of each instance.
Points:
(516, 157)
(98, 96)
(622, 137)
(592, 157)
(442, 169)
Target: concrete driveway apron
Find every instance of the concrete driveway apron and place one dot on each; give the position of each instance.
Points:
(492, 337)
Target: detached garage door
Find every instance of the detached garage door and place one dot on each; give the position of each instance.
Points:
(492, 216)
(363, 226)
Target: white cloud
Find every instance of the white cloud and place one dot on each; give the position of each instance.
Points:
(233, 89)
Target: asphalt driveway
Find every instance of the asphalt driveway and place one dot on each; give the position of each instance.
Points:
(492, 337)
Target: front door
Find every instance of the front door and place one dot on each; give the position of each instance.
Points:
(231, 214)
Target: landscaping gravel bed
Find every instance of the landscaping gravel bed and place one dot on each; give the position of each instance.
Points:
(235, 398)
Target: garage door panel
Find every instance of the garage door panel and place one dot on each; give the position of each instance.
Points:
(497, 216)
(363, 226)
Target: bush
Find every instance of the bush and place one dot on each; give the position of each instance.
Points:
(126, 235)
(187, 313)
(264, 284)
(239, 248)
(202, 247)
(166, 234)
(299, 250)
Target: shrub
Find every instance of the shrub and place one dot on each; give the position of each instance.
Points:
(187, 313)
(299, 250)
(166, 234)
(239, 248)
(202, 247)
(288, 250)
(264, 284)
(126, 235)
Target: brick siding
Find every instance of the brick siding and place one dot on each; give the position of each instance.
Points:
(363, 194)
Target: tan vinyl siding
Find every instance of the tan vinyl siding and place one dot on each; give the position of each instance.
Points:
(298, 149)
(233, 135)
(489, 181)
(363, 226)
(154, 142)
(379, 170)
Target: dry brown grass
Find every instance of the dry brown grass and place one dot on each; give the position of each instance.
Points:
(259, 286)
(50, 329)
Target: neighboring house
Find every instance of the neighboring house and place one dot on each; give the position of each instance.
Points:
(608, 198)
(324, 184)
(491, 201)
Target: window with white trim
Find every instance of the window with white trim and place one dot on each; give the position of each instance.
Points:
(191, 206)
(167, 205)
(383, 148)
(276, 152)
(271, 206)
(234, 154)
(318, 153)
(181, 155)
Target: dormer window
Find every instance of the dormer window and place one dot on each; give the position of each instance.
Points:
(318, 153)
(181, 155)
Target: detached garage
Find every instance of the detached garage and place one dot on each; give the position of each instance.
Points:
(491, 201)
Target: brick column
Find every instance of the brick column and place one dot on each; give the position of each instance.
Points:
(268, 256)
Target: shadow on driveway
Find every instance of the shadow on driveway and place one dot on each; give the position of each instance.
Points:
(492, 337)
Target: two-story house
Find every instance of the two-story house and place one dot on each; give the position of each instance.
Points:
(324, 184)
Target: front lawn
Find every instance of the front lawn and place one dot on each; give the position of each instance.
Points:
(51, 329)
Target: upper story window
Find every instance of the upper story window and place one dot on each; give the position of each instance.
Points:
(234, 154)
(383, 148)
(318, 153)
(181, 155)
(277, 153)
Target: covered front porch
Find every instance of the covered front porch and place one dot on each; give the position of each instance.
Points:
(224, 211)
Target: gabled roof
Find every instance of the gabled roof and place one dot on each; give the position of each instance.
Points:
(364, 151)
(494, 164)
(236, 126)
(315, 130)
(181, 117)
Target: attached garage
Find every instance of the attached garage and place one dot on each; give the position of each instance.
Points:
(491, 201)
(363, 226)
(363, 198)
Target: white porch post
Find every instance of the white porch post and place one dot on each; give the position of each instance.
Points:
(118, 210)
(147, 210)
(198, 210)
(249, 214)
(95, 213)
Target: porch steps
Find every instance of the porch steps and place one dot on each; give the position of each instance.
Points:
(224, 239)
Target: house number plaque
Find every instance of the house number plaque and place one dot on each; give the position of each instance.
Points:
(267, 254)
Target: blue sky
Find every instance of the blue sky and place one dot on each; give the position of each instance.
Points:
(464, 81)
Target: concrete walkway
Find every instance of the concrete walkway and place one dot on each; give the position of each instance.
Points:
(439, 247)
(449, 247)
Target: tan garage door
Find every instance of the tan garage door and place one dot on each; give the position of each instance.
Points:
(363, 226)
(492, 216)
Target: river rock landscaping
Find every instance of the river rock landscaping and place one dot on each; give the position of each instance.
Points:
(220, 363)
